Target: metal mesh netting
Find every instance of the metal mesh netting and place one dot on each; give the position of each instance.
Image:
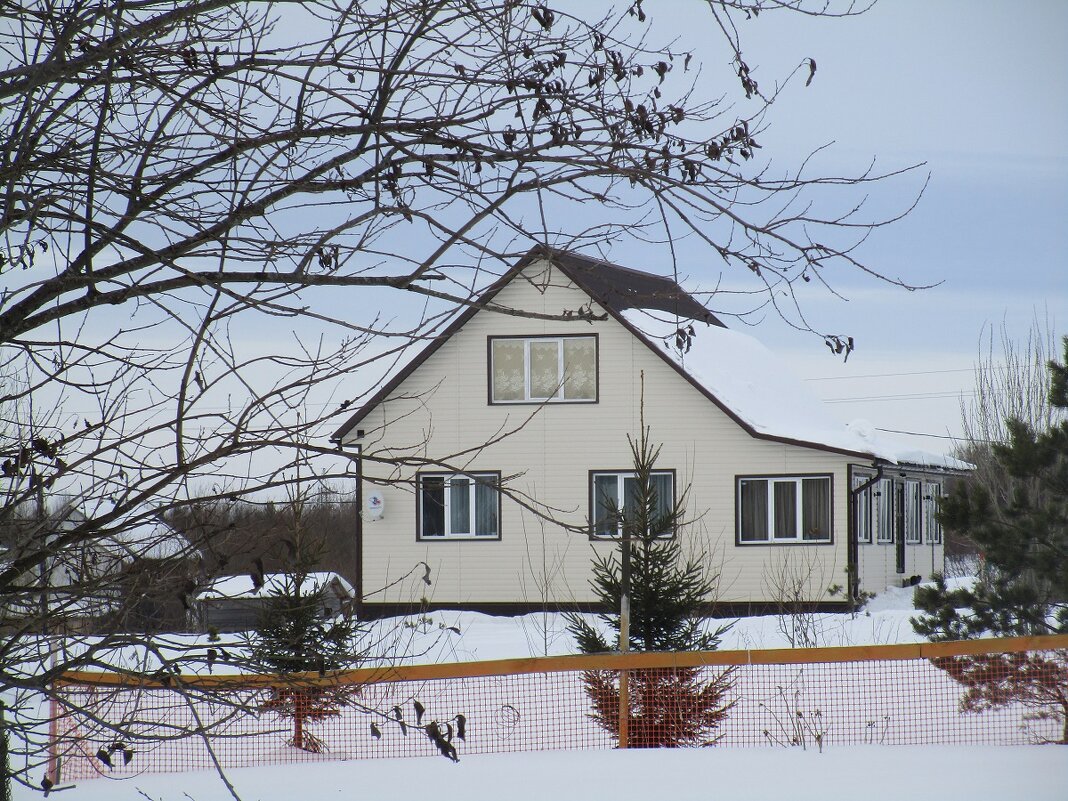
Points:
(945, 693)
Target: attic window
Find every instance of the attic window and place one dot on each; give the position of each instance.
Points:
(559, 369)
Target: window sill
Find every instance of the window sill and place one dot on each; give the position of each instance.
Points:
(779, 543)
(461, 538)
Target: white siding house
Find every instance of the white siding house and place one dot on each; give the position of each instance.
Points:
(492, 456)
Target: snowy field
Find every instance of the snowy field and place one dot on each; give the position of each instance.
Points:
(938, 772)
(872, 773)
(884, 621)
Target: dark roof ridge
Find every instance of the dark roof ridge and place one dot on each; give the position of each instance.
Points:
(619, 288)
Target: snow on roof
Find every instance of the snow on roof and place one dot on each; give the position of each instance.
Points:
(151, 539)
(240, 587)
(904, 452)
(761, 391)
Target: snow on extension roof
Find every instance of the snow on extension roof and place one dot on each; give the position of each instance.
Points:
(238, 587)
(760, 390)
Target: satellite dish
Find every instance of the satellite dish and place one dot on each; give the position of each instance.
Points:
(374, 505)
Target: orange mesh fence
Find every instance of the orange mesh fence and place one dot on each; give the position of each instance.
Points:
(1011, 691)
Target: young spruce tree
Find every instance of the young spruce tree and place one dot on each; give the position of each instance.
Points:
(298, 635)
(1022, 532)
(666, 589)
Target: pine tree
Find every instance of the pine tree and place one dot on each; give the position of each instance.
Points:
(297, 634)
(655, 593)
(1022, 531)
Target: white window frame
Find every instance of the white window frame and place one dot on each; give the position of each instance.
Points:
(621, 477)
(476, 479)
(885, 511)
(769, 535)
(932, 491)
(558, 397)
(913, 512)
(862, 510)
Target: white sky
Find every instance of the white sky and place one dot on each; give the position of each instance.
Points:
(979, 91)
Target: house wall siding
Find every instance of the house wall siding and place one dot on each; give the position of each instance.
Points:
(441, 412)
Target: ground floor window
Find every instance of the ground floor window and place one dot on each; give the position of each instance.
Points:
(931, 493)
(862, 508)
(459, 505)
(884, 496)
(913, 511)
(614, 499)
(783, 509)
(899, 508)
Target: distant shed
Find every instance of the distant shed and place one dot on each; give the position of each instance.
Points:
(233, 603)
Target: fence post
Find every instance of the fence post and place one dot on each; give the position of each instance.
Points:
(624, 647)
(298, 719)
(54, 764)
(5, 769)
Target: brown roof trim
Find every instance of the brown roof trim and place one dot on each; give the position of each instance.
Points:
(574, 265)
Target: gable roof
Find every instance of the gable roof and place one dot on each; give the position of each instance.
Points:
(613, 287)
(733, 370)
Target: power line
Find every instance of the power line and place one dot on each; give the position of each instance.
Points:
(899, 375)
(910, 396)
(960, 438)
(917, 433)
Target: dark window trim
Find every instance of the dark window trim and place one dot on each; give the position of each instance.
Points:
(452, 537)
(548, 401)
(864, 475)
(772, 543)
(591, 505)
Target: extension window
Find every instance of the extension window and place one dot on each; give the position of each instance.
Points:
(783, 509)
(559, 369)
(614, 500)
(884, 497)
(913, 512)
(932, 491)
(862, 508)
(459, 505)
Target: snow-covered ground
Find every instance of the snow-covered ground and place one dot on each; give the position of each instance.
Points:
(870, 773)
(873, 772)
(885, 620)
